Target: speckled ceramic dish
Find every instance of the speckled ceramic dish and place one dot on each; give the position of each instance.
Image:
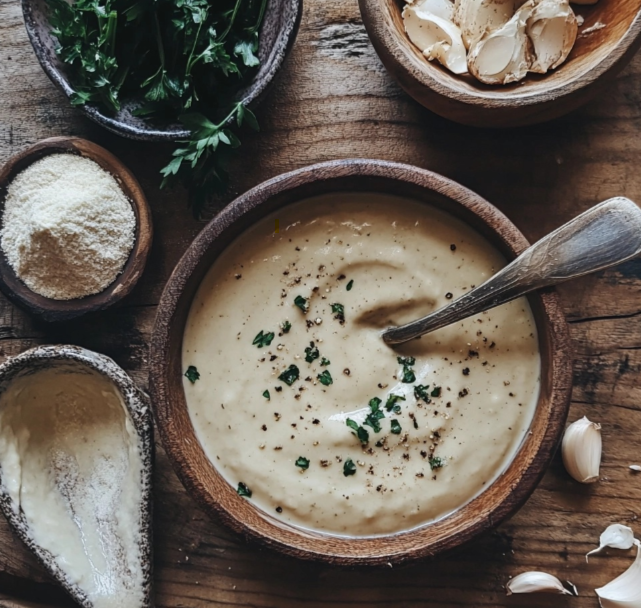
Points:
(78, 359)
(277, 36)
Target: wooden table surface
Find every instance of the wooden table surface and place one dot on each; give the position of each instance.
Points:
(335, 100)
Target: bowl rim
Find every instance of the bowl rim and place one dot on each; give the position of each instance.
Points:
(254, 523)
(62, 310)
(251, 96)
(383, 38)
(137, 404)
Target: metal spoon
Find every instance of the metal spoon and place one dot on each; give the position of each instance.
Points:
(606, 235)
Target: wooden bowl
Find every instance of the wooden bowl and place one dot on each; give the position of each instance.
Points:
(595, 60)
(137, 405)
(220, 499)
(63, 310)
(277, 35)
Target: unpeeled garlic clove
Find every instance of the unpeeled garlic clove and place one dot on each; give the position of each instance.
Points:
(479, 17)
(581, 450)
(437, 38)
(537, 582)
(625, 590)
(504, 55)
(615, 536)
(552, 27)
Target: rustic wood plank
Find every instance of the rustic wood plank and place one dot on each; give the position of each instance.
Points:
(335, 100)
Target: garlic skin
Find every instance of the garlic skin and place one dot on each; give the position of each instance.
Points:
(479, 17)
(437, 38)
(537, 582)
(615, 536)
(504, 55)
(625, 590)
(553, 28)
(581, 450)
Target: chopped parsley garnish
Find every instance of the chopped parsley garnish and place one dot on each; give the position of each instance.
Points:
(375, 415)
(339, 312)
(302, 303)
(349, 468)
(325, 378)
(350, 285)
(408, 373)
(390, 404)
(303, 463)
(359, 431)
(436, 462)
(263, 339)
(325, 361)
(290, 375)
(415, 423)
(243, 490)
(396, 427)
(436, 391)
(311, 353)
(420, 392)
(285, 326)
(266, 395)
(192, 374)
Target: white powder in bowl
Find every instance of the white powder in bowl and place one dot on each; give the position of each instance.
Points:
(67, 228)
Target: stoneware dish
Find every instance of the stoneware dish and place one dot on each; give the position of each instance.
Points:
(277, 36)
(596, 59)
(221, 501)
(137, 404)
(63, 310)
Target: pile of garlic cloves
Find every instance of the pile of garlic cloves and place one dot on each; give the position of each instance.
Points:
(496, 41)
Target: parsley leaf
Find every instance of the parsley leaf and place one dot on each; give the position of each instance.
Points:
(408, 373)
(311, 353)
(290, 375)
(436, 462)
(302, 462)
(360, 432)
(266, 395)
(325, 378)
(390, 404)
(338, 310)
(436, 391)
(285, 326)
(350, 285)
(325, 361)
(192, 374)
(420, 392)
(349, 468)
(302, 303)
(243, 490)
(263, 339)
(376, 414)
(396, 427)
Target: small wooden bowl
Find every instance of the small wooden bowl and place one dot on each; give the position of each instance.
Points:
(63, 310)
(220, 500)
(595, 60)
(277, 36)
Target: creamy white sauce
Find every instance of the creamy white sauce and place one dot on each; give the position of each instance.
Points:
(69, 459)
(405, 260)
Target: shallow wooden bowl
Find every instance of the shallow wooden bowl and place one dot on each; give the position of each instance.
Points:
(277, 36)
(595, 60)
(63, 310)
(220, 499)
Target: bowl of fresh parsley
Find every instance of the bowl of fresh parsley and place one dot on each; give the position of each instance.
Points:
(189, 71)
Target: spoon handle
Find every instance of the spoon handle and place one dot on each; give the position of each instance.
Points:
(606, 235)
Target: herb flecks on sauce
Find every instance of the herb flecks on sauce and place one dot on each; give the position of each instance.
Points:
(290, 375)
(285, 326)
(349, 468)
(324, 362)
(263, 339)
(396, 427)
(338, 310)
(436, 391)
(359, 431)
(243, 490)
(302, 463)
(302, 303)
(408, 373)
(266, 395)
(350, 285)
(311, 353)
(391, 404)
(436, 462)
(192, 374)
(376, 414)
(420, 392)
(325, 378)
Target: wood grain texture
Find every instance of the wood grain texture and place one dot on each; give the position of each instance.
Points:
(608, 38)
(65, 310)
(335, 100)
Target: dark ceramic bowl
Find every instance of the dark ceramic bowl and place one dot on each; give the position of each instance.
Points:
(277, 36)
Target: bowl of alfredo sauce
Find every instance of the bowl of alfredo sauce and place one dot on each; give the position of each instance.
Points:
(287, 416)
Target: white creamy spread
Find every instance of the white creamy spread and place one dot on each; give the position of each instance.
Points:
(470, 389)
(69, 459)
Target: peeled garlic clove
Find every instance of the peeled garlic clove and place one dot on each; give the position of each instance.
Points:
(504, 55)
(552, 27)
(615, 536)
(625, 590)
(537, 582)
(581, 450)
(478, 17)
(635, 467)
